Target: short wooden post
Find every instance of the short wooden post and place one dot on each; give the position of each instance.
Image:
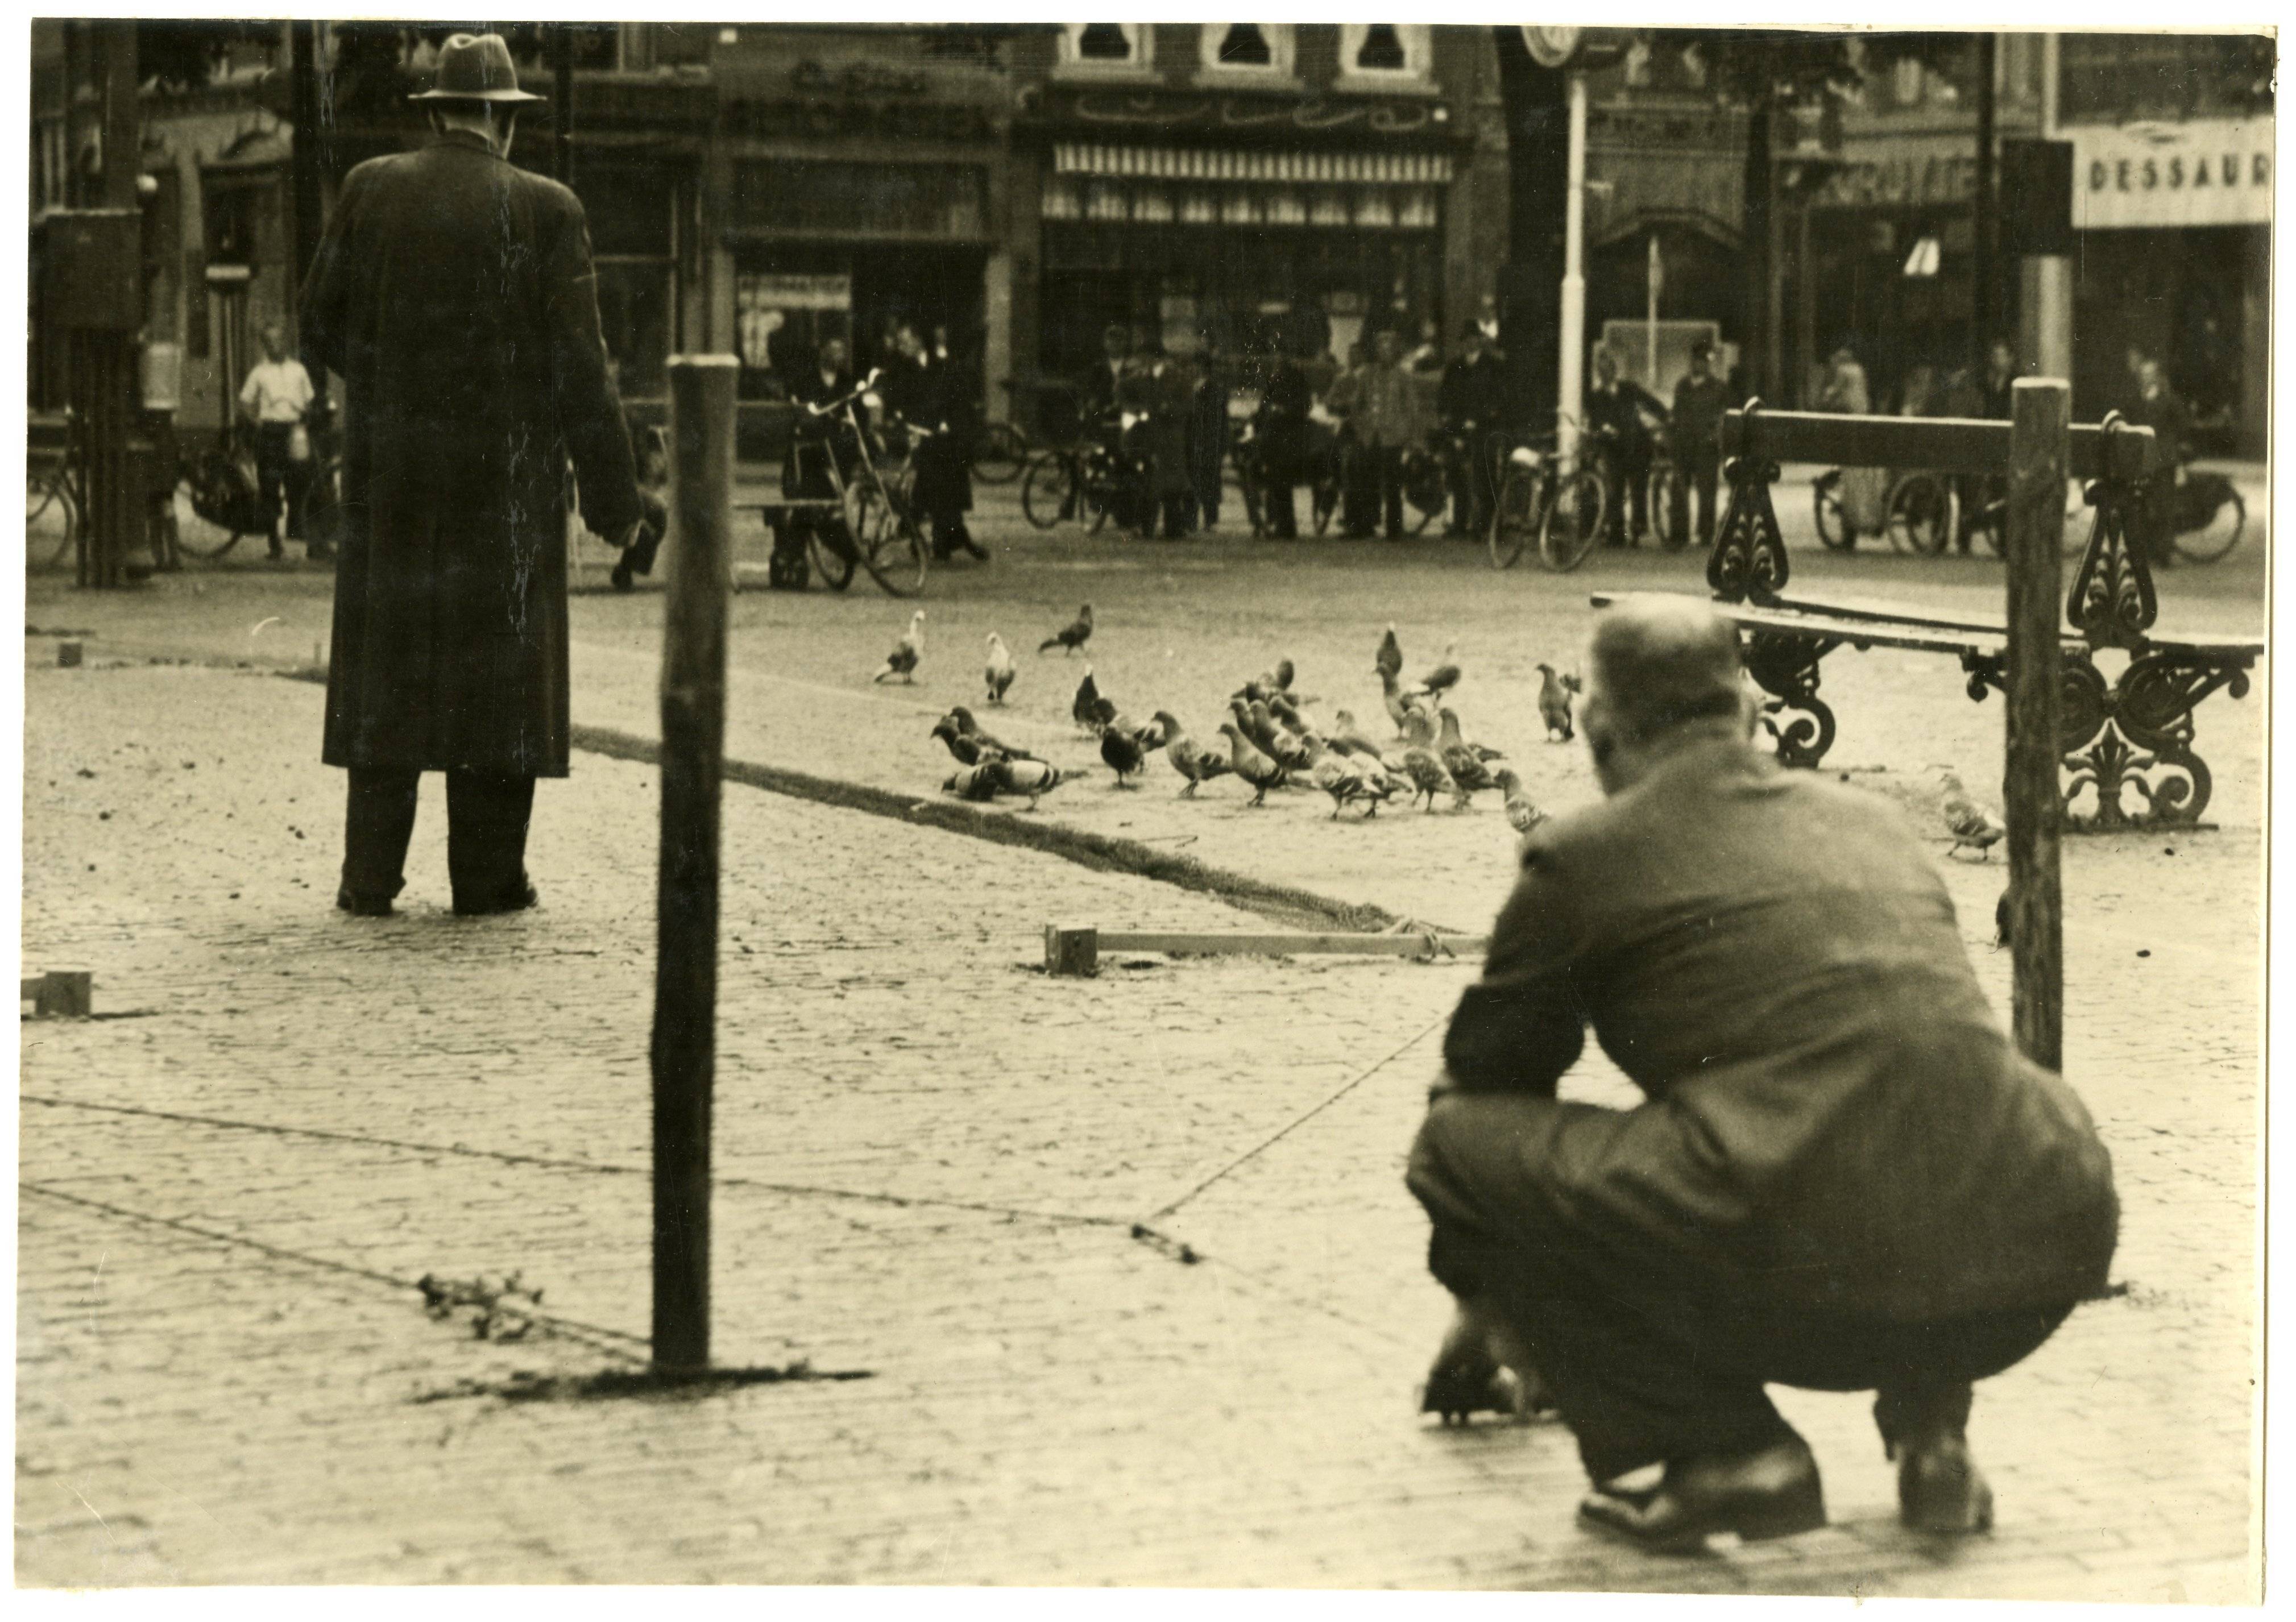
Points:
(68, 654)
(2039, 449)
(692, 757)
(1072, 952)
(61, 994)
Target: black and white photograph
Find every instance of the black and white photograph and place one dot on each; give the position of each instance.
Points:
(1318, 805)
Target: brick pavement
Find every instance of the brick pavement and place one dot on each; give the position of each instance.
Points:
(233, 1418)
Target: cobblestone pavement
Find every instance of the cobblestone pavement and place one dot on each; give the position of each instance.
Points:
(1051, 1400)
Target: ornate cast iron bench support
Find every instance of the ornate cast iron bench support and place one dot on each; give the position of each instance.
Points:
(2126, 740)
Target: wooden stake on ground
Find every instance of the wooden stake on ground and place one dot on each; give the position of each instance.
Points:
(693, 757)
(2038, 455)
(1074, 950)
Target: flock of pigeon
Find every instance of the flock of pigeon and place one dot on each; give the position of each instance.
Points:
(1268, 741)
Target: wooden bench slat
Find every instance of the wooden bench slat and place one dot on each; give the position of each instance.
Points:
(1915, 631)
(1946, 445)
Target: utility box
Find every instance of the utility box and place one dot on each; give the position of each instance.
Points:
(93, 270)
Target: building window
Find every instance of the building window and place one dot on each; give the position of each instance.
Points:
(1246, 49)
(1383, 54)
(1102, 48)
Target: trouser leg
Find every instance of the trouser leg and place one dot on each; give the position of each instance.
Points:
(1636, 476)
(1704, 472)
(1391, 489)
(1627, 1352)
(378, 821)
(486, 818)
(272, 472)
(1283, 516)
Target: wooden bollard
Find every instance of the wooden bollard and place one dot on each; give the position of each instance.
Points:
(1072, 952)
(61, 993)
(68, 654)
(2039, 449)
(693, 758)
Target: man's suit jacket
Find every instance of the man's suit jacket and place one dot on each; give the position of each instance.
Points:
(1832, 1116)
(455, 295)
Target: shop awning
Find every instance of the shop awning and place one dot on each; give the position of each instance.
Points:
(1195, 163)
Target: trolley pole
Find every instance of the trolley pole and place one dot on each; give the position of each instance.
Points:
(2039, 449)
(692, 757)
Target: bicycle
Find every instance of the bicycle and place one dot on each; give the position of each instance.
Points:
(1563, 504)
(872, 505)
(2197, 510)
(52, 496)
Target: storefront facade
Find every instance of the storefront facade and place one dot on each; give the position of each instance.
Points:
(1244, 184)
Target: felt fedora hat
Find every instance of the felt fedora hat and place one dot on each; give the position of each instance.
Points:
(475, 68)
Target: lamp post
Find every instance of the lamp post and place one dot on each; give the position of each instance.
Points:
(1576, 52)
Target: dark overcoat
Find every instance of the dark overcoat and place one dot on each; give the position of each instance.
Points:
(1834, 1118)
(930, 393)
(455, 295)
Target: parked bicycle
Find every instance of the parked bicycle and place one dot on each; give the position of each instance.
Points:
(51, 506)
(870, 522)
(1560, 501)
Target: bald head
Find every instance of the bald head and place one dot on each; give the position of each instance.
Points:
(1659, 662)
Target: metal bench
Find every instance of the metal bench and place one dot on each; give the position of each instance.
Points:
(2129, 735)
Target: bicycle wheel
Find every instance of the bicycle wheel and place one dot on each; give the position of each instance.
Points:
(1572, 522)
(1516, 519)
(50, 510)
(2207, 542)
(215, 484)
(1000, 454)
(1049, 493)
(1920, 514)
(893, 549)
(832, 560)
(1825, 506)
(1665, 489)
(1323, 501)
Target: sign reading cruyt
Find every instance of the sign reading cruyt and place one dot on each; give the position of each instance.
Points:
(2207, 172)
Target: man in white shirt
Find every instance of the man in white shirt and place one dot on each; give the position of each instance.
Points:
(275, 397)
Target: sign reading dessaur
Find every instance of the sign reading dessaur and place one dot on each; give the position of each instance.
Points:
(2208, 172)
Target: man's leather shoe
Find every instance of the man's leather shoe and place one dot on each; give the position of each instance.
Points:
(362, 907)
(1941, 1489)
(524, 897)
(1773, 1491)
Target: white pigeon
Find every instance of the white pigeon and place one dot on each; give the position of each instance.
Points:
(1000, 672)
(902, 661)
(1969, 823)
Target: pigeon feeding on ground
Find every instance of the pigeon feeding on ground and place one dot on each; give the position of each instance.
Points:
(971, 728)
(1073, 635)
(967, 750)
(902, 661)
(1121, 747)
(1428, 777)
(1389, 662)
(1521, 815)
(999, 672)
(1085, 706)
(1033, 778)
(1464, 760)
(974, 782)
(1248, 764)
(1398, 707)
(1349, 739)
(1197, 764)
(1969, 823)
(1339, 777)
(1554, 705)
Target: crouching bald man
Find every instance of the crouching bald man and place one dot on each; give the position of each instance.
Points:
(1843, 1176)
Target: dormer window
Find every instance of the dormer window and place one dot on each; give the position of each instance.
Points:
(1245, 51)
(1105, 42)
(1243, 45)
(1107, 49)
(1384, 55)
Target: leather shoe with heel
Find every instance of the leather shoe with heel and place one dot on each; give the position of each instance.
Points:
(1772, 1492)
(1941, 1489)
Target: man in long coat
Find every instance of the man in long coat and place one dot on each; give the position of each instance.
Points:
(1843, 1177)
(455, 295)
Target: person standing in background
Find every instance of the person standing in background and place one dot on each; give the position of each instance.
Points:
(1699, 402)
(1470, 402)
(276, 398)
(1208, 428)
(455, 294)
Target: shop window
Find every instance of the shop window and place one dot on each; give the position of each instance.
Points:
(1246, 49)
(1383, 54)
(1097, 48)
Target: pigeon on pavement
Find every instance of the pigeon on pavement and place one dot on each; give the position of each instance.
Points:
(1443, 676)
(1969, 823)
(1428, 777)
(1000, 672)
(1248, 764)
(1554, 705)
(1463, 761)
(971, 728)
(1188, 758)
(1389, 662)
(902, 661)
(1033, 778)
(1073, 635)
(1521, 815)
